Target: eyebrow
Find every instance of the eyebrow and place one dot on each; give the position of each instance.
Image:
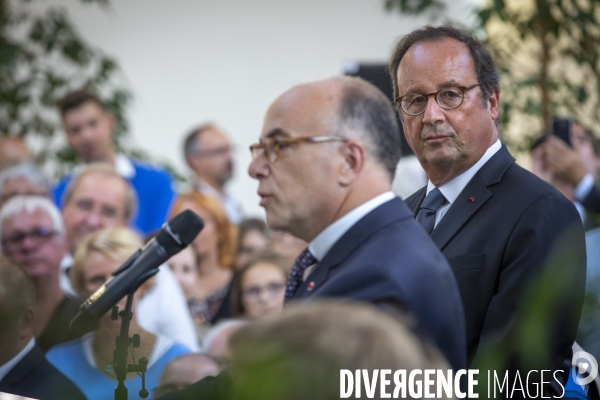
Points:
(448, 83)
(276, 132)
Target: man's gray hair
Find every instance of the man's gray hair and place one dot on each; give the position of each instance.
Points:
(25, 170)
(365, 110)
(30, 204)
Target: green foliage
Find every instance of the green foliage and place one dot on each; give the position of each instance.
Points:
(416, 7)
(42, 57)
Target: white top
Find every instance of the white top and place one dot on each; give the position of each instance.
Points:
(232, 208)
(325, 240)
(162, 311)
(451, 190)
(8, 366)
(584, 187)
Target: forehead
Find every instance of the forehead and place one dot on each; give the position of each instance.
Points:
(24, 220)
(102, 188)
(262, 271)
(89, 108)
(99, 263)
(302, 111)
(433, 64)
(212, 138)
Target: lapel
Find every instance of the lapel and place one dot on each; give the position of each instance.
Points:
(472, 198)
(416, 199)
(386, 214)
(23, 367)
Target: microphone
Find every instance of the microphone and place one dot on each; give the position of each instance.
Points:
(173, 237)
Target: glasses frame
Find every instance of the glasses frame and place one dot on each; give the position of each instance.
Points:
(463, 89)
(14, 243)
(279, 142)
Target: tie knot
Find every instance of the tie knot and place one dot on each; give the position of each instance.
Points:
(305, 259)
(434, 200)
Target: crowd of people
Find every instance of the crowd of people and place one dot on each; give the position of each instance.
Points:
(440, 280)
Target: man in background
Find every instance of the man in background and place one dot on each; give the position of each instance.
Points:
(89, 130)
(207, 151)
(13, 150)
(24, 179)
(33, 236)
(24, 371)
(496, 223)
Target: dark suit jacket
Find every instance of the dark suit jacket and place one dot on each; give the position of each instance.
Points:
(35, 377)
(387, 258)
(497, 236)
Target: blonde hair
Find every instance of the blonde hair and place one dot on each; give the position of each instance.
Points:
(116, 243)
(226, 231)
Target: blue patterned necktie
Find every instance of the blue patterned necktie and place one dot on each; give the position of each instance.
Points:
(426, 216)
(304, 260)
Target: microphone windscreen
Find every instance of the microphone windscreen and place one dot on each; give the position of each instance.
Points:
(180, 231)
(186, 225)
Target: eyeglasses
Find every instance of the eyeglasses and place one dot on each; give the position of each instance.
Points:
(216, 152)
(448, 98)
(253, 293)
(38, 236)
(273, 145)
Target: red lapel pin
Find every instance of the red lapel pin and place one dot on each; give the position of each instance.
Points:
(310, 286)
(471, 198)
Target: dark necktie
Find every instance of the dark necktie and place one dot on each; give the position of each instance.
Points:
(304, 260)
(426, 216)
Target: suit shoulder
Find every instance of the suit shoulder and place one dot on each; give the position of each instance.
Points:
(526, 185)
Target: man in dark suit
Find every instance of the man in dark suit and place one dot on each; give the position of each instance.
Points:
(24, 370)
(495, 222)
(325, 162)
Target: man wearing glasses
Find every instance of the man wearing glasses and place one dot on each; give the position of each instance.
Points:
(495, 222)
(208, 153)
(32, 234)
(325, 162)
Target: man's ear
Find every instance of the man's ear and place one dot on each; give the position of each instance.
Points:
(493, 102)
(353, 153)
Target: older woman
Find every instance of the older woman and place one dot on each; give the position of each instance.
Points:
(215, 255)
(88, 361)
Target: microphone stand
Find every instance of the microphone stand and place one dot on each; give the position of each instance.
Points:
(123, 341)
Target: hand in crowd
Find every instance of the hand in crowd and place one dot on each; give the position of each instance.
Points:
(562, 161)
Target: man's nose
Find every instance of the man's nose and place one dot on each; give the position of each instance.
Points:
(95, 219)
(259, 167)
(433, 114)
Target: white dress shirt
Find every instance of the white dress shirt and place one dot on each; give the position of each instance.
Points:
(8, 366)
(325, 240)
(451, 190)
(233, 210)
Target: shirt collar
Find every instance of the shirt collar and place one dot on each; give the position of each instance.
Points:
(124, 166)
(452, 189)
(325, 240)
(7, 367)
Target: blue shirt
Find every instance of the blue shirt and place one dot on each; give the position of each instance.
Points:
(153, 186)
(70, 359)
